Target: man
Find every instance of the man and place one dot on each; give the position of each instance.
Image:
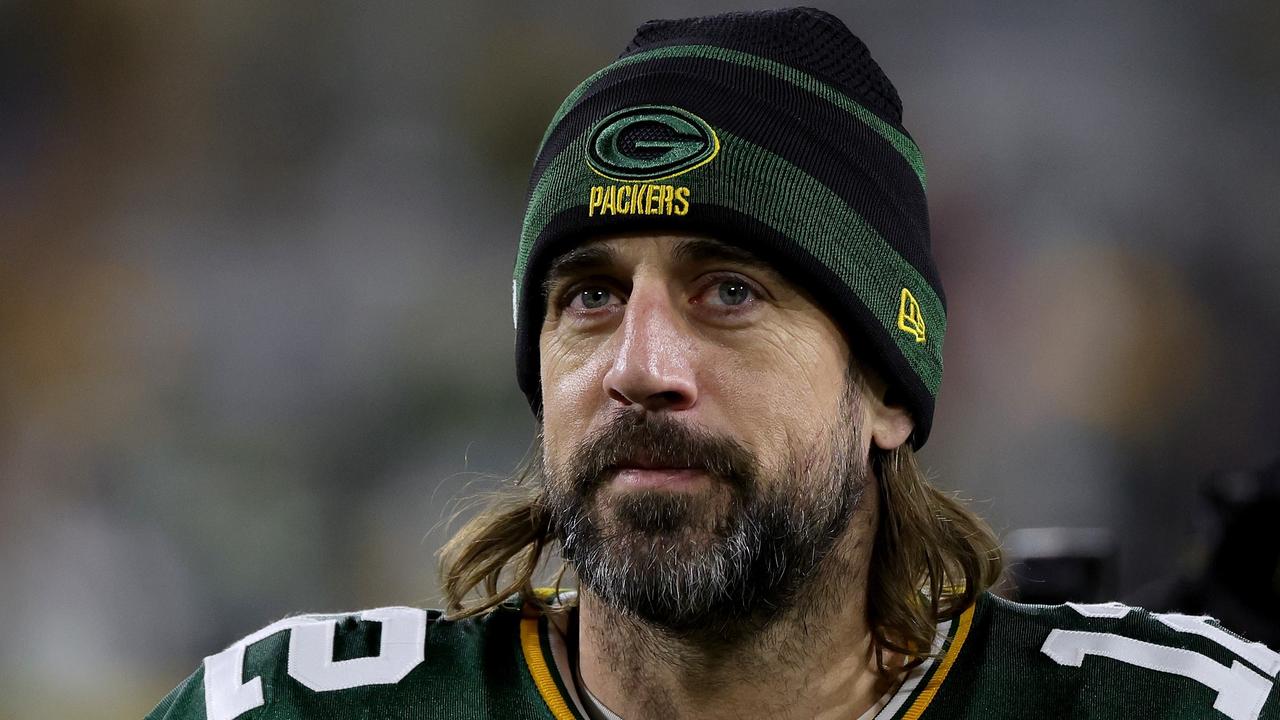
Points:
(730, 328)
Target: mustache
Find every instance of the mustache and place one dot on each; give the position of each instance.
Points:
(647, 439)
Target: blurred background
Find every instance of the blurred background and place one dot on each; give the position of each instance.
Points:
(255, 261)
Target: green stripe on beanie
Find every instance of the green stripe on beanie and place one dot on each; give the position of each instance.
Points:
(900, 141)
(742, 127)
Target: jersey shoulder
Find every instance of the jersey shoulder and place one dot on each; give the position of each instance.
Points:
(387, 662)
(1108, 660)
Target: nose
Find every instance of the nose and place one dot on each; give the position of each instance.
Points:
(654, 364)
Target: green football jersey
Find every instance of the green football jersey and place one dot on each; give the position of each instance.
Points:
(1107, 661)
(996, 660)
(387, 663)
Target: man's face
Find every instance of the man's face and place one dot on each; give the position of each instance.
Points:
(701, 434)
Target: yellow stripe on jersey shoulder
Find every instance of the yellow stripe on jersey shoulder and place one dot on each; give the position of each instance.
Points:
(531, 644)
(926, 696)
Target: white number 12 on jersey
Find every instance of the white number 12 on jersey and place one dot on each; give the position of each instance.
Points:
(404, 632)
(1241, 692)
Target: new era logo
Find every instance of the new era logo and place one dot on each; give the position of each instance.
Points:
(910, 320)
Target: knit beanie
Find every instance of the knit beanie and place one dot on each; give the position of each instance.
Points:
(775, 131)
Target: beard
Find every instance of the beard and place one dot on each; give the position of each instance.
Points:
(739, 550)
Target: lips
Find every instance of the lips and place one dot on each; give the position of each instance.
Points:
(637, 477)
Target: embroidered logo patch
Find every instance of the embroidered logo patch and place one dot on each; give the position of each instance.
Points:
(910, 320)
(650, 142)
(638, 199)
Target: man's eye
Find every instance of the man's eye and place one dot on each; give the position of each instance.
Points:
(591, 298)
(732, 292)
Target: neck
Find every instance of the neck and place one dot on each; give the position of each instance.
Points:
(815, 659)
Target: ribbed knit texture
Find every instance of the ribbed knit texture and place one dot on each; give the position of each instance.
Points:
(784, 136)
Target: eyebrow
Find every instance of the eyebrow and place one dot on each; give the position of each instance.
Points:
(581, 260)
(708, 250)
(577, 261)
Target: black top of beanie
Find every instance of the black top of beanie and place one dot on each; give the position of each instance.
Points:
(811, 40)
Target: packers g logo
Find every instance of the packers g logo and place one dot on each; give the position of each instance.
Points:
(650, 142)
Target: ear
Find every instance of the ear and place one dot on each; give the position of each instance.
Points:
(890, 425)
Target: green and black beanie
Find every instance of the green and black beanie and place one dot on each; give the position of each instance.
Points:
(775, 131)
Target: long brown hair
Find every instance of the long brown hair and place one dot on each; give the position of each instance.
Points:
(931, 558)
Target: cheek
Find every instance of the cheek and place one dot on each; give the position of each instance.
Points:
(784, 393)
(571, 377)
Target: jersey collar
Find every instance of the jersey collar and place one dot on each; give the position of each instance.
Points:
(546, 654)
